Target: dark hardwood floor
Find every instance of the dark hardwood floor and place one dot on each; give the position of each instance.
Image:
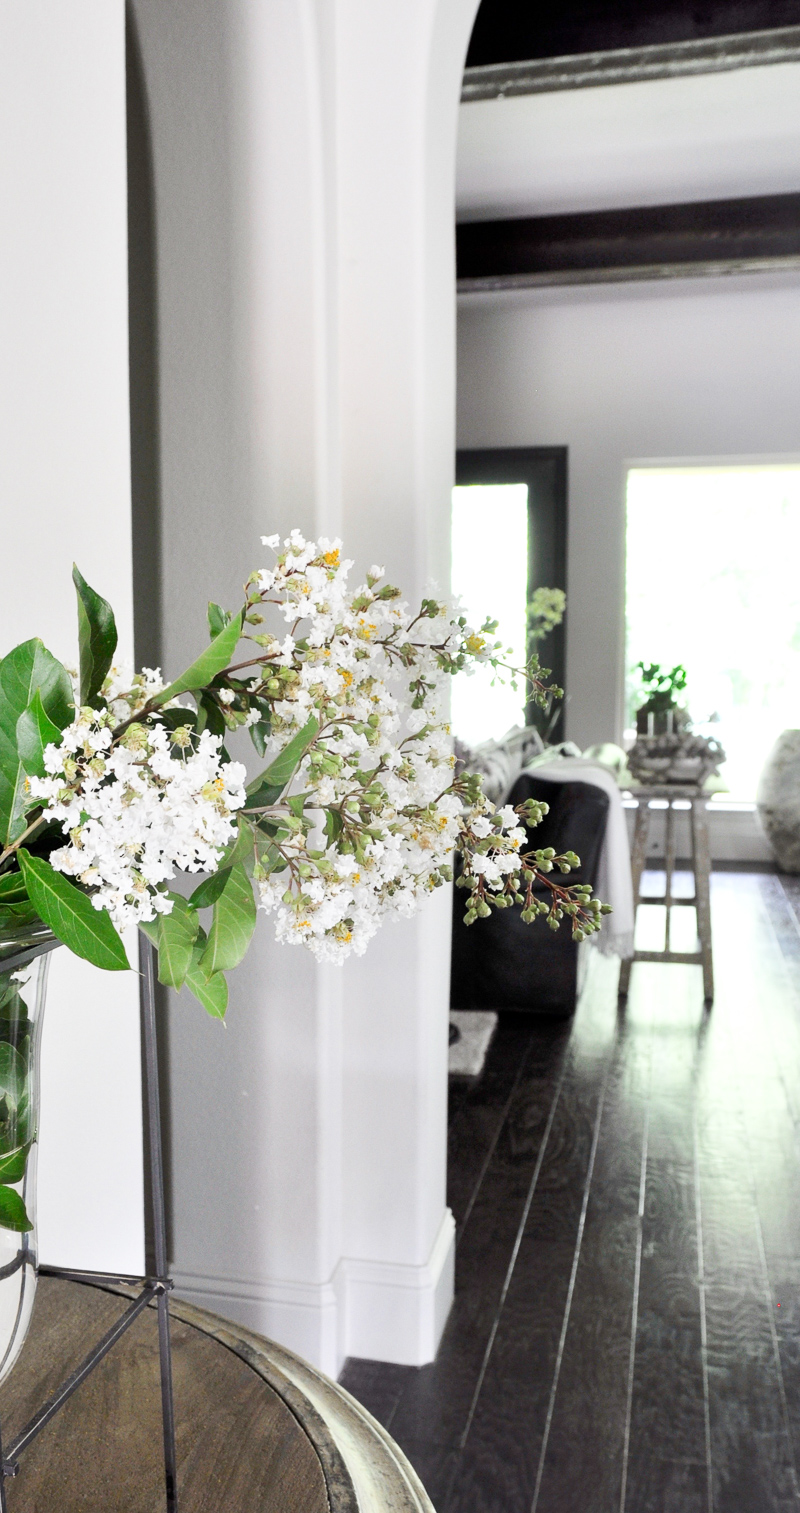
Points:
(625, 1336)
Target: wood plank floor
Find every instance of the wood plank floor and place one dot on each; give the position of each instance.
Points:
(626, 1331)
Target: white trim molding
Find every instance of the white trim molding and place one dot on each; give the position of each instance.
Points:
(304, 1316)
(395, 1312)
(380, 1310)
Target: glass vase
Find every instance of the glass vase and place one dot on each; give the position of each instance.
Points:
(24, 963)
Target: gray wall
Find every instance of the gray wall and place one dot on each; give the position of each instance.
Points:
(691, 369)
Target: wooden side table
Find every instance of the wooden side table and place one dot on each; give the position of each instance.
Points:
(701, 866)
(257, 1429)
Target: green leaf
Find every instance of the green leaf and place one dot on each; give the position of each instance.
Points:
(269, 786)
(334, 824)
(209, 716)
(263, 795)
(12, 1074)
(97, 637)
(9, 993)
(15, 1026)
(13, 1213)
(241, 849)
(218, 618)
(35, 730)
(210, 989)
(87, 931)
(27, 668)
(209, 891)
(259, 735)
(17, 916)
(12, 1166)
(233, 924)
(211, 661)
(177, 933)
(173, 719)
(12, 888)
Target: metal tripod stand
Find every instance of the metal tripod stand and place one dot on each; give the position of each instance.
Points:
(157, 1286)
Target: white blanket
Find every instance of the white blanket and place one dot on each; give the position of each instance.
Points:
(613, 883)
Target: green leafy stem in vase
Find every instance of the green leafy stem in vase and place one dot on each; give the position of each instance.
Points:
(16, 1104)
(114, 785)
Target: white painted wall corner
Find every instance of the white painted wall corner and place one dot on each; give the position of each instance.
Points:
(379, 1310)
(397, 1312)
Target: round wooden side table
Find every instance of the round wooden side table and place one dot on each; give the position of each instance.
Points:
(258, 1430)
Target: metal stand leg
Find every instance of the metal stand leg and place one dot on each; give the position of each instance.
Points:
(157, 1286)
(159, 1218)
(669, 861)
(702, 869)
(3, 1503)
(637, 868)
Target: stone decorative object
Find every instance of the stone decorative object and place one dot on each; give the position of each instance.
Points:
(471, 1032)
(778, 800)
(662, 721)
(677, 756)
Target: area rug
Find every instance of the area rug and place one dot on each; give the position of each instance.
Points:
(471, 1032)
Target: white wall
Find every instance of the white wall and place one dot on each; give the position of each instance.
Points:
(690, 369)
(658, 142)
(65, 491)
(304, 164)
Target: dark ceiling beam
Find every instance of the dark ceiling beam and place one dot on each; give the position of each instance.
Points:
(667, 60)
(655, 241)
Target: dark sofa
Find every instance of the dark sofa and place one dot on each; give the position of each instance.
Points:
(501, 963)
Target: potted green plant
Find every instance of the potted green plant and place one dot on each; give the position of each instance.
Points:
(666, 750)
(661, 713)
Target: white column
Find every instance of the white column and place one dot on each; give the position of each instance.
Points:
(65, 486)
(304, 170)
(399, 74)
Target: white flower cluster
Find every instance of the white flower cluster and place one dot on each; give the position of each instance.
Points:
(138, 809)
(380, 820)
(127, 692)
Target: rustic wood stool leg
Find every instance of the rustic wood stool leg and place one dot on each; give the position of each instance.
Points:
(637, 868)
(669, 862)
(702, 869)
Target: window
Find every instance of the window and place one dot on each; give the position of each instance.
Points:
(489, 574)
(713, 581)
(508, 537)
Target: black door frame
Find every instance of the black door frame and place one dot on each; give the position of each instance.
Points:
(544, 470)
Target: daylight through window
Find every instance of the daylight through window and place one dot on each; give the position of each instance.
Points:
(713, 582)
(490, 576)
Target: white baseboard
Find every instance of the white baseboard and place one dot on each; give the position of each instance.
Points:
(395, 1312)
(382, 1310)
(303, 1316)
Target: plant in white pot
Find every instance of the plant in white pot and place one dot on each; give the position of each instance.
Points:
(114, 786)
(666, 750)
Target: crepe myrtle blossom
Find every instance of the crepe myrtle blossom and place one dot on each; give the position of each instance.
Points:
(136, 812)
(358, 812)
(381, 813)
